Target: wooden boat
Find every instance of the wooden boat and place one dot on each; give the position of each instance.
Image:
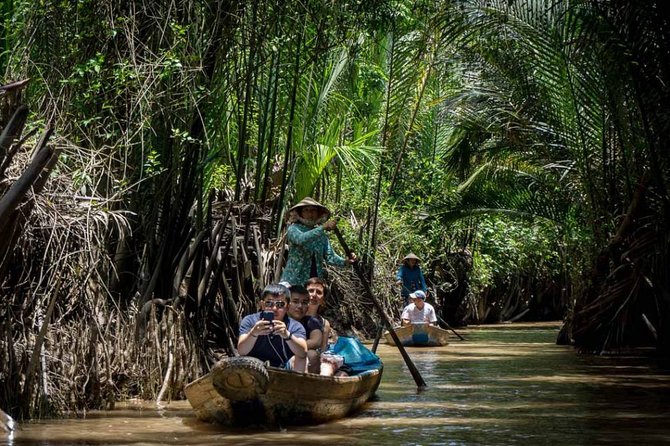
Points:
(420, 334)
(243, 391)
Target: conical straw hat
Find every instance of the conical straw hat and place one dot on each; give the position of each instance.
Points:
(411, 255)
(309, 201)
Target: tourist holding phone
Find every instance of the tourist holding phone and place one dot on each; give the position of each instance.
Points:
(270, 334)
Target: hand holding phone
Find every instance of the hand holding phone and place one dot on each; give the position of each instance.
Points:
(268, 316)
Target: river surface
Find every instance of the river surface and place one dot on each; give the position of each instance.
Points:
(503, 385)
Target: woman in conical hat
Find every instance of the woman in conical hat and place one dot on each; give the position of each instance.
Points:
(312, 203)
(410, 256)
(410, 277)
(308, 244)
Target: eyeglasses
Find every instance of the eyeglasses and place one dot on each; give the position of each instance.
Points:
(274, 303)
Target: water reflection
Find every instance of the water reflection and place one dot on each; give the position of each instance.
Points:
(504, 385)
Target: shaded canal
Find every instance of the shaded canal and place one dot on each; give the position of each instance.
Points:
(504, 385)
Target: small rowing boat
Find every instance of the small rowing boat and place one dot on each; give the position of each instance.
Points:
(419, 334)
(242, 391)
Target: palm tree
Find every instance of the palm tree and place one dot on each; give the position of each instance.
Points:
(555, 106)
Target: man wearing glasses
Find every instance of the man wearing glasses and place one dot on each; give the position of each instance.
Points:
(275, 337)
(297, 309)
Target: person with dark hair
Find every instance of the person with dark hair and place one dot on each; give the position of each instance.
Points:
(271, 335)
(308, 244)
(297, 309)
(410, 277)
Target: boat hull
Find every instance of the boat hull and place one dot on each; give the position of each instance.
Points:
(419, 335)
(290, 398)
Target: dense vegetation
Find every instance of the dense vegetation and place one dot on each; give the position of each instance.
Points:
(517, 146)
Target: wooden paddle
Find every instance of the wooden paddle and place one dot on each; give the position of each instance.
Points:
(439, 318)
(380, 330)
(420, 383)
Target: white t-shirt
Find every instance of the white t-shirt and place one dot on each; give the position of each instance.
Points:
(426, 314)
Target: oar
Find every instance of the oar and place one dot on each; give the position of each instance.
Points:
(439, 318)
(420, 383)
(378, 336)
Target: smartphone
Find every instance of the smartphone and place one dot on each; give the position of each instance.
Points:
(268, 316)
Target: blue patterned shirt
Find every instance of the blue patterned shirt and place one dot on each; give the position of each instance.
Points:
(303, 243)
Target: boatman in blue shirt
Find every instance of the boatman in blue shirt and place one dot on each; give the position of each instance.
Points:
(410, 277)
(271, 335)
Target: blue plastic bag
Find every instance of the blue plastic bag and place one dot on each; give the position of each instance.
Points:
(356, 355)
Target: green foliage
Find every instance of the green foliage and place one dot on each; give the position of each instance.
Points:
(509, 248)
(8, 26)
(461, 111)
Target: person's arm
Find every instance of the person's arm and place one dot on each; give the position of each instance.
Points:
(404, 318)
(400, 279)
(399, 275)
(297, 345)
(246, 343)
(326, 335)
(314, 341)
(249, 333)
(294, 339)
(298, 237)
(431, 316)
(316, 333)
(333, 258)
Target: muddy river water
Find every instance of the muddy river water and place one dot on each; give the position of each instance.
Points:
(503, 385)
